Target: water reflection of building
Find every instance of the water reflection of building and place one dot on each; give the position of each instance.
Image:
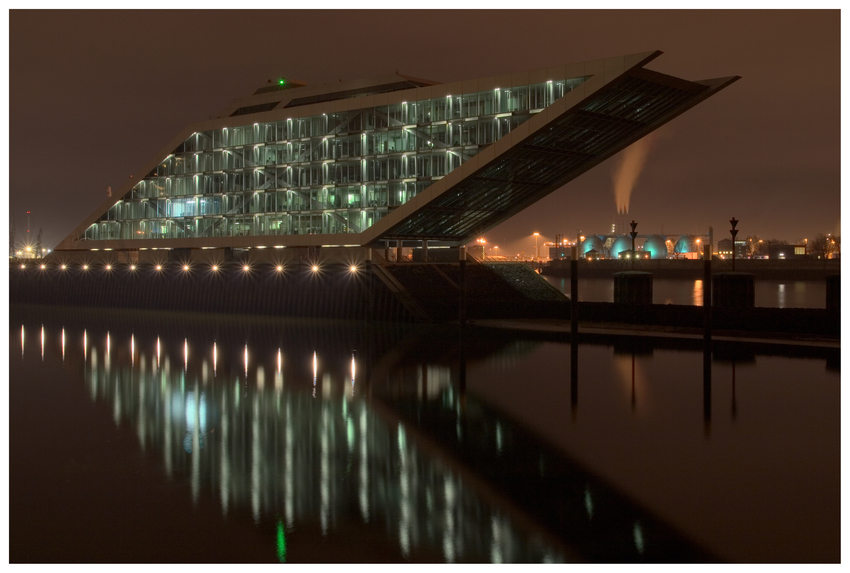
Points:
(254, 435)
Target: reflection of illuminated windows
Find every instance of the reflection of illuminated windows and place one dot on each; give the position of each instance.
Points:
(278, 443)
(638, 535)
(196, 418)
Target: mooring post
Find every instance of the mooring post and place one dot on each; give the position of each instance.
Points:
(462, 286)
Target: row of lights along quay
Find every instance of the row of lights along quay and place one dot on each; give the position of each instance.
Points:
(212, 268)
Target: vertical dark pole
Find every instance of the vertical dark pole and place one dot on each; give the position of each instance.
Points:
(706, 353)
(734, 404)
(706, 293)
(462, 369)
(367, 362)
(573, 377)
(370, 293)
(574, 295)
(706, 387)
(734, 232)
(462, 286)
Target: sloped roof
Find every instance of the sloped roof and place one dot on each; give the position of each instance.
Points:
(590, 124)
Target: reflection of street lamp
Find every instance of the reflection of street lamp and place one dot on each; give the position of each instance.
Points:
(536, 248)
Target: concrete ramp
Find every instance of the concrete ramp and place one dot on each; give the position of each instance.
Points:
(493, 290)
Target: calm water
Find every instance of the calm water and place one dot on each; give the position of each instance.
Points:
(168, 438)
(769, 293)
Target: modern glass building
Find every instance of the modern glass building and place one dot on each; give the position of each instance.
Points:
(385, 162)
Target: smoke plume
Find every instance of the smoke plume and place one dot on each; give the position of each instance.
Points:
(627, 171)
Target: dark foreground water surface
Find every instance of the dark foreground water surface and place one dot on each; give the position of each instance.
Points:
(145, 437)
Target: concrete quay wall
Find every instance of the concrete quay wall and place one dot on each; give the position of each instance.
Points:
(333, 291)
(795, 269)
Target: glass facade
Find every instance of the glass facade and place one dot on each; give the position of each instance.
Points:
(324, 174)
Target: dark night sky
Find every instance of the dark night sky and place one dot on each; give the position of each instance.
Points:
(94, 94)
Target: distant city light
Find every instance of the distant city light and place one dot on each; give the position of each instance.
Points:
(279, 268)
(315, 268)
(353, 268)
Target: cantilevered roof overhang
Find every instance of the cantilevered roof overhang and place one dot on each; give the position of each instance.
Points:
(604, 115)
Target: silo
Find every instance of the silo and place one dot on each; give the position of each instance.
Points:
(591, 242)
(621, 243)
(685, 244)
(656, 246)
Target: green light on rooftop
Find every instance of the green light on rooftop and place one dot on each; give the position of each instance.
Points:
(281, 82)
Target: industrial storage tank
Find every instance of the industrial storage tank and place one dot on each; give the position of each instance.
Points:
(656, 246)
(621, 243)
(686, 244)
(591, 242)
